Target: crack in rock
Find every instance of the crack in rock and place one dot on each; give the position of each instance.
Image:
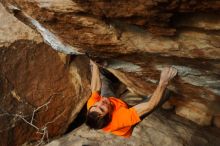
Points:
(124, 65)
(53, 40)
(49, 38)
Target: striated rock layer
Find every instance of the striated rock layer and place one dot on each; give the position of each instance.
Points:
(137, 39)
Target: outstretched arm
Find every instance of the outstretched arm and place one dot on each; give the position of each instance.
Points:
(166, 75)
(95, 81)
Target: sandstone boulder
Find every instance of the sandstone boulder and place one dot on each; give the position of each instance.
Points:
(137, 39)
(41, 90)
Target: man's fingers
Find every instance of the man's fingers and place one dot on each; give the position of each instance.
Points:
(173, 72)
(169, 71)
(167, 74)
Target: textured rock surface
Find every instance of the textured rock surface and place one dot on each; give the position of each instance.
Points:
(40, 90)
(158, 129)
(137, 39)
(12, 30)
(217, 121)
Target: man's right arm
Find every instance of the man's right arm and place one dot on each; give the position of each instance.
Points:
(95, 81)
(166, 75)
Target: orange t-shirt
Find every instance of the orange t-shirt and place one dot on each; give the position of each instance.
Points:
(122, 117)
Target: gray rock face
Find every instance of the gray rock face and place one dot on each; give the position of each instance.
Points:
(160, 128)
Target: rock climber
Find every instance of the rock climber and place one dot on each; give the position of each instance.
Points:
(106, 112)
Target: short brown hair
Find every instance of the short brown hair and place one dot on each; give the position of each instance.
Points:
(95, 121)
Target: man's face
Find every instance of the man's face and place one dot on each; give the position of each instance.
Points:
(102, 107)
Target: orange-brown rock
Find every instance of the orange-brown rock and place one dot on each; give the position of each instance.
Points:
(216, 121)
(40, 91)
(138, 39)
(196, 112)
(110, 29)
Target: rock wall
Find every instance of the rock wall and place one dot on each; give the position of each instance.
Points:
(137, 39)
(41, 90)
(160, 128)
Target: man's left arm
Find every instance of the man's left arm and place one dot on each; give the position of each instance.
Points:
(166, 75)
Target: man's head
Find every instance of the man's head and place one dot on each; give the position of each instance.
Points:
(99, 115)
